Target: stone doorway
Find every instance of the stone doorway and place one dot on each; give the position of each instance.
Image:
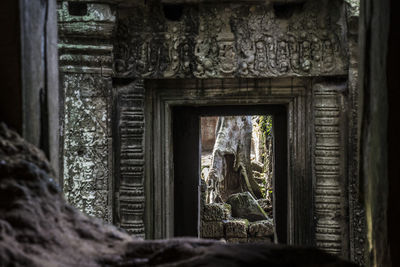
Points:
(174, 106)
(193, 215)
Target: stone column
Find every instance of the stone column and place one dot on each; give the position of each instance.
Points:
(329, 170)
(85, 62)
(129, 161)
(357, 222)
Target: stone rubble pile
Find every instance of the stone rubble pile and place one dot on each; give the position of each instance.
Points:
(218, 223)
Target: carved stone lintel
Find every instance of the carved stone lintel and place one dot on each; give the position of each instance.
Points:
(82, 45)
(229, 41)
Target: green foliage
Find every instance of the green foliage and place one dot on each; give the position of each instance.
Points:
(265, 123)
(263, 191)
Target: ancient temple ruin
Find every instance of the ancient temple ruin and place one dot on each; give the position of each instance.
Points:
(132, 73)
(116, 100)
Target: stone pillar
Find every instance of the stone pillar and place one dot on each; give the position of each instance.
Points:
(129, 171)
(357, 223)
(85, 62)
(329, 170)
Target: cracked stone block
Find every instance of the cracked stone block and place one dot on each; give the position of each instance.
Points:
(262, 228)
(216, 212)
(213, 230)
(236, 228)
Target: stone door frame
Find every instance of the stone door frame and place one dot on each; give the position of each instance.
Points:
(161, 95)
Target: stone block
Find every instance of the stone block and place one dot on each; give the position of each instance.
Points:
(236, 228)
(214, 230)
(216, 212)
(245, 206)
(263, 228)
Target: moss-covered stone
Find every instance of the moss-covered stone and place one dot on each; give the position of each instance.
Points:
(216, 212)
(246, 207)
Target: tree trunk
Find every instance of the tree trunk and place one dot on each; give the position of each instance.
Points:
(230, 171)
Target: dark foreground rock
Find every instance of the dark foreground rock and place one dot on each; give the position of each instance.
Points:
(38, 228)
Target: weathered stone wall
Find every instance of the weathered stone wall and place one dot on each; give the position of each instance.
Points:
(85, 53)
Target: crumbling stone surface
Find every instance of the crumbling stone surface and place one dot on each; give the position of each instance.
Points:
(245, 206)
(214, 230)
(38, 228)
(216, 212)
(236, 228)
(263, 228)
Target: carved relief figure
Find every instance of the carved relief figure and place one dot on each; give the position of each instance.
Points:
(180, 54)
(186, 55)
(283, 55)
(206, 52)
(247, 57)
(305, 50)
(328, 55)
(261, 57)
(294, 53)
(271, 54)
(316, 51)
(173, 55)
(216, 41)
(226, 56)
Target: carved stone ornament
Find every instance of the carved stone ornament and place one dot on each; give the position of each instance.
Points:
(85, 62)
(229, 41)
